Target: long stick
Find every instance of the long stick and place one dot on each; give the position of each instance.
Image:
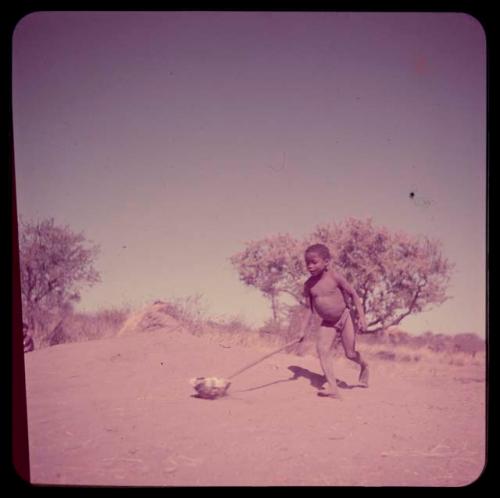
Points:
(264, 357)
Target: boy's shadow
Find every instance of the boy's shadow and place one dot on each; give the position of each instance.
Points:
(317, 380)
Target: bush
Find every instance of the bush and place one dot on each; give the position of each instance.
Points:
(188, 310)
(85, 326)
(386, 355)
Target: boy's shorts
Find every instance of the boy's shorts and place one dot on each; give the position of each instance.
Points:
(340, 323)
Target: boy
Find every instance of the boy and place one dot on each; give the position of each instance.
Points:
(325, 292)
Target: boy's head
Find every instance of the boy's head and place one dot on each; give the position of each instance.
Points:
(317, 258)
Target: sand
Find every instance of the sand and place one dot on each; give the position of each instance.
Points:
(121, 412)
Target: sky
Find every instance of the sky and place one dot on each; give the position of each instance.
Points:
(170, 139)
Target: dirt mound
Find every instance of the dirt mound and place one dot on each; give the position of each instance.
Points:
(151, 317)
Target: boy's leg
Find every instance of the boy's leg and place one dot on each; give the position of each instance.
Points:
(348, 341)
(326, 335)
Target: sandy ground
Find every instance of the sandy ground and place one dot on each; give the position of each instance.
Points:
(121, 412)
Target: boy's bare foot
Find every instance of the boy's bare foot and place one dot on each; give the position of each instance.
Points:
(329, 394)
(364, 375)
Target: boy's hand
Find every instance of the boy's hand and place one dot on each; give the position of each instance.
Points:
(362, 325)
(301, 344)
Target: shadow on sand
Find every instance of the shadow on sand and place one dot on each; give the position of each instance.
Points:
(316, 380)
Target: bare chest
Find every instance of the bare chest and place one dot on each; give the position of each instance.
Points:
(326, 287)
(327, 299)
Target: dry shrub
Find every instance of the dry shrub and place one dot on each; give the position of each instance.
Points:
(238, 333)
(190, 311)
(101, 324)
(386, 355)
(392, 346)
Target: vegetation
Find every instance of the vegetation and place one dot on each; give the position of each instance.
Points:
(394, 274)
(86, 326)
(394, 345)
(55, 264)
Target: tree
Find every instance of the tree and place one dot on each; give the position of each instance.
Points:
(395, 274)
(273, 265)
(55, 263)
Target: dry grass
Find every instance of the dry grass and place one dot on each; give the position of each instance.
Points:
(98, 325)
(394, 346)
(80, 327)
(405, 354)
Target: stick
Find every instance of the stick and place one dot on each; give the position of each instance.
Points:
(296, 341)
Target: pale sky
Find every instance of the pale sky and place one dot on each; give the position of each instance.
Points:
(170, 139)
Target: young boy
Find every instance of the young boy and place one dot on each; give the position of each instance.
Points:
(325, 292)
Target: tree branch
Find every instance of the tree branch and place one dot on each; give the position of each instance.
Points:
(398, 320)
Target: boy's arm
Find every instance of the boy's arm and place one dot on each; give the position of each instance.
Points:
(349, 289)
(306, 319)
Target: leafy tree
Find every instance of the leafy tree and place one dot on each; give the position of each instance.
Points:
(275, 266)
(395, 274)
(55, 263)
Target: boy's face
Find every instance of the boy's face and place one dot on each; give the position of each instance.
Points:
(315, 263)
